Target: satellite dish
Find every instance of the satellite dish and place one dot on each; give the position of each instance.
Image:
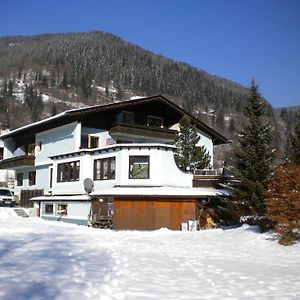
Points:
(88, 185)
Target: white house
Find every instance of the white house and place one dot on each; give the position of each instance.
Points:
(125, 148)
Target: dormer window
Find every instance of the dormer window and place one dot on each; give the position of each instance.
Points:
(93, 141)
(125, 117)
(89, 141)
(154, 121)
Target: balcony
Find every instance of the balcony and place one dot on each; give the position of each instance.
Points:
(125, 130)
(214, 178)
(17, 162)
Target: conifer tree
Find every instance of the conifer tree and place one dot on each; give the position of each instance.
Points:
(190, 157)
(253, 155)
(293, 144)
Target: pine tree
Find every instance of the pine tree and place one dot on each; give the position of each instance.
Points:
(10, 88)
(253, 156)
(188, 156)
(34, 102)
(293, 144)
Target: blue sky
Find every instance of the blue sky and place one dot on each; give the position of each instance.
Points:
(235, 39)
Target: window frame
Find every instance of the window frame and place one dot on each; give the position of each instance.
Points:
(134, 159)
(155, 118)
(32, 181)
(99, 168)
(58, 208)
(20, 180)
(44, 209)
(68, 171)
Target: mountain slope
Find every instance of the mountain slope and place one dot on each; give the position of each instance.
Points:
(92, 68)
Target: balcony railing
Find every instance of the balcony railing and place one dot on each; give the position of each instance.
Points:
(127, 130)
(18, 161)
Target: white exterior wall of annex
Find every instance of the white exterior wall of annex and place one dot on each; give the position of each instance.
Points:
(77, 210)
(162, 166)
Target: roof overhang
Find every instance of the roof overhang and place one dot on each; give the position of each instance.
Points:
(84, 114)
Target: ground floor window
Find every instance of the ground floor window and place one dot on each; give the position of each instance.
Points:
(139, 167)
(55, 209)
(62, 209)
(48, 209)
(105, 168)
(19, 179)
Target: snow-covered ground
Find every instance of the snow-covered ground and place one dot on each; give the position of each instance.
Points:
(53, 260)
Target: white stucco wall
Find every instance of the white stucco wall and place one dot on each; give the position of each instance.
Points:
(59, 140)
(163, 170)
(206, 141)
(76, 210)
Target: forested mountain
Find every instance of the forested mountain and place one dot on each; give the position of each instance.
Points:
(44, 74)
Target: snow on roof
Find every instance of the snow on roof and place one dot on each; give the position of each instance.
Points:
(62, 197)
(142, 191)
(33, 124)
(162, 191)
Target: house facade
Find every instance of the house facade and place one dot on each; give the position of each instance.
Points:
(125, 150)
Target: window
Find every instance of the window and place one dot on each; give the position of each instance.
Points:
(5, 192)
(19, 179)
(105, 168)
(1, 153)
(62, 209)
(89, 141)
(32, 177)
(155, 121)
(68, 171)
(139, 167)
(51, 175)
(48, 209)
(126, 117)
(93, 141)
(30, 149)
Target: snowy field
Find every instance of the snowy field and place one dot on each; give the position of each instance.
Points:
(52, 260)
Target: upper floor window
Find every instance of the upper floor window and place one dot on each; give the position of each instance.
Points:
(19, 179)
(1, 153)
(105, 168)
(125, 117)
(30, 149)
(32, 177)
(68, 171)
(155, 121)
(139, 167)
(89, 141)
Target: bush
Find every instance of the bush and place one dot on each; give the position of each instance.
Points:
(288, 239)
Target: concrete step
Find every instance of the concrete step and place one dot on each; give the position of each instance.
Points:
(21, 212)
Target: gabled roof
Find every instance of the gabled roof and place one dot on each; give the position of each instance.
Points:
(80, 114)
